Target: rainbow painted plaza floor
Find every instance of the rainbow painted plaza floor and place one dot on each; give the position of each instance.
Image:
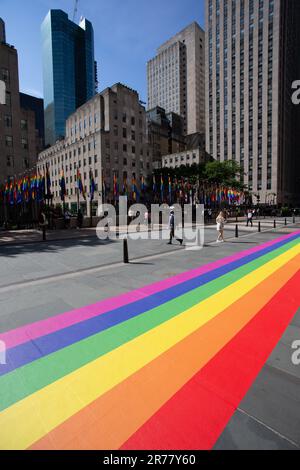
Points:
(164, 366)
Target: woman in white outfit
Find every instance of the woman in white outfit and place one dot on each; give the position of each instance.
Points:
(220, 226)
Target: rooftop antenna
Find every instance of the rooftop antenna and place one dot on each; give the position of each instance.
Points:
(75, 10)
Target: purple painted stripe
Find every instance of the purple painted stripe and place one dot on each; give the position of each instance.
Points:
(35, 330)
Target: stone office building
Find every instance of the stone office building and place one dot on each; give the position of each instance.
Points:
(176, 77)
(19, 137)
(106, 136)
(252, 57)
(165, 134)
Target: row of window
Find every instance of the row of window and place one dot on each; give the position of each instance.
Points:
(10, 162)
(8, 122)
(9, 142)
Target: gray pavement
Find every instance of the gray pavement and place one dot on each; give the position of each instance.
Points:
(42, 279)
(39, 280)
(268, 418)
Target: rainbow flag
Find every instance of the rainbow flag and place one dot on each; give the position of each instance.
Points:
(161, 188)
(92, 186)
(115, 186)
(62, 184)
(80, 185)
(143, 369)
(48, 181)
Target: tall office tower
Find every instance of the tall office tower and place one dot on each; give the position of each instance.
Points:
(252, 53)
(68, 69)
(176, 78)
(19, 142)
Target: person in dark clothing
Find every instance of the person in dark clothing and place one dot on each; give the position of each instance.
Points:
(79, 218)
(250, 218)
(172, 229)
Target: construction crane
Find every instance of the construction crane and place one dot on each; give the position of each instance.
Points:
(75, 10)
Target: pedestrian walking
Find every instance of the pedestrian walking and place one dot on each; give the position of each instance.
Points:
(67, 219)
(172, 229)
(249, 218)
(220, 220)
(42, 219)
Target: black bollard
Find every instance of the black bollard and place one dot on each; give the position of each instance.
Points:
(274, 223)
(285, 221)
(259, 227)
(294, 220)
(236, 231)
(44, 233)
(125, 251)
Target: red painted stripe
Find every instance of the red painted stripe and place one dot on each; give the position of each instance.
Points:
(197, 414)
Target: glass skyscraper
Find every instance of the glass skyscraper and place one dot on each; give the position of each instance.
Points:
(68, 69)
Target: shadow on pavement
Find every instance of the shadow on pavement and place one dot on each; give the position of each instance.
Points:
(12, 250)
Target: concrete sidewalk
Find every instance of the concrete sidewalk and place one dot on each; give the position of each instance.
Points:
(19, 237)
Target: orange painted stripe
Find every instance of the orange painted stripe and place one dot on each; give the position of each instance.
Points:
(110, 420)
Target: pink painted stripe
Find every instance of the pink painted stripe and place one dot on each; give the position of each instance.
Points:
(35, 330)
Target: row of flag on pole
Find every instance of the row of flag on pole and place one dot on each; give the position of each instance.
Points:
(129, 190)
(177, 188)
(79, 185)
(33, 187)
(37, 187)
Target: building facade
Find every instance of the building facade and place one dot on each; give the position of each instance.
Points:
(176, 78)
(165, 134)
(252, 56)
(107, 136)
(37, 106)
(68, 69)
(185, 158)
(19, 140)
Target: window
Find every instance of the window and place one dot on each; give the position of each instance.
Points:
(8, 120)
(8, 98)
(9, 161)
(8, 141)
(5, 75)
(23, 124)
(124, 133)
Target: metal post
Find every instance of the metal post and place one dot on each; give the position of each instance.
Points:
(236, 231)
(125, 251)
(44, 233)
(294, 220)
(285, 221)
(259, 227)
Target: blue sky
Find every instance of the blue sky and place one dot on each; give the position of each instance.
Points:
(127, 33)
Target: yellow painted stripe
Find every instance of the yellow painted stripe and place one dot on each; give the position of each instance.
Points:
(25, 422)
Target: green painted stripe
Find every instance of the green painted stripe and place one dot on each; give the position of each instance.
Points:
(34, 376)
